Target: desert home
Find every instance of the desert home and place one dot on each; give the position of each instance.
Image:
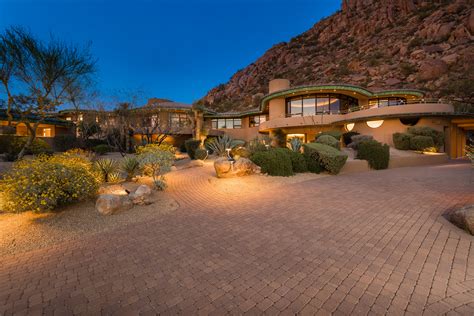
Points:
(300, 112)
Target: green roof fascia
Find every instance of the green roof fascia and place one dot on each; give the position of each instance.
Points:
(360, 90)
(214, 114)
(48, 120)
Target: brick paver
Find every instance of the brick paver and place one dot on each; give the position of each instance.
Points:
(370, 243)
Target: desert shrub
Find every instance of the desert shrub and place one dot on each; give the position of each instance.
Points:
(46, 182)
(105, 167)
(334, 133)
(470, 153)
(402, 140)
(191, 146)
(154, 147)
(328, 157)
(377, 154)
(328, 140)
(219, 145)
(295, 144)
(65, 142)
(257, 144)
(240, 152)
(347, 137)
(421, 143)
(279, 138)
(274, 162)
(298, 162)
(357, 139)
(200, 154)
(101, 149)
(160, 183)
(437, 136)
(115, 177)
(155, 163)
(130, 166)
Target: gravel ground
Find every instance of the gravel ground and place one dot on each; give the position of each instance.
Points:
(28, 231)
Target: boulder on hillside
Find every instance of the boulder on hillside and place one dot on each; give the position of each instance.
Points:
(431, 69)
(229, 169)
(463, 218)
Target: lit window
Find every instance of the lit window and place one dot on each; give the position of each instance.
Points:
(80, 117)
(350, 126)
(68, 118)
(46, 132)
(374, 124)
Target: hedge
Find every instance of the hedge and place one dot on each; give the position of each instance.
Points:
(274, 162)
(328, 157)
(377, 154)
(312, 164)
(421, 143)
(334, 133)
(191, 146)
(357, 139)
(402, 140)
(298, 162)
(328, 140)
(437, 136)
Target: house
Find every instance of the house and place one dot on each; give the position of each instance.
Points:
(305, 111)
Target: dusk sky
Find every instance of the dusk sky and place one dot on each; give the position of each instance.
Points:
(170, 49)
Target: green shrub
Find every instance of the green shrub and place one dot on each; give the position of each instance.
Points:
(279, 138)
(65, 142)
(130, 166)
(106, 167)
(377, 154)
(200, 154)
(437, 136)
(312, 163)
(298, 161)
(421, 143)
(101, 149)
(334, 133)
(358, 139)
(38, 146)
(257, 144)
(155, 147)
(191, 146)
(274, 162)
(402, 140)
(46, 182)
(6, 142)
(182, 148)
(329, 158)
(328, 140)
(347, 137)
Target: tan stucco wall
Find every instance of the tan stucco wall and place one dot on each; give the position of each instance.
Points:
(278, 84)
(277, 109)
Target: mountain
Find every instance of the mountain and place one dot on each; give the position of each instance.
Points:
(377, 44)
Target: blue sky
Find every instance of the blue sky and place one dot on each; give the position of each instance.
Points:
(169, 49)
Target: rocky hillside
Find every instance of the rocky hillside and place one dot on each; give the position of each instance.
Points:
(377, 44)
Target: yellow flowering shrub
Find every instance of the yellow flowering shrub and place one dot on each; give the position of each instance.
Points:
(155, 147)
(46, 182)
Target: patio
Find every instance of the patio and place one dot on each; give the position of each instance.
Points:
(352, 243)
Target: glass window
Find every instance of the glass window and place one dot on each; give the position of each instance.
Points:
(383, 102)
(335, 104)
(322, 105)
(373, 103)
(221, 123)
(296, 107)
(229, 123)
(214, 123)
(237, 123)
(309, 106)
(257, 120)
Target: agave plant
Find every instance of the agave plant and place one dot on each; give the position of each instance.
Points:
(106, 167)
(295, 144)
(115, 177)
(130, 166)
(220, 144)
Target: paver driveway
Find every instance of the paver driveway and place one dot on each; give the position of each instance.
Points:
(350, 244)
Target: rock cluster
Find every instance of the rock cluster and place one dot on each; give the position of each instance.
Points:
(108, 204)
(229, 169)
(380, 44)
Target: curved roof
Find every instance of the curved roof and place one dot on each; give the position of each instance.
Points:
(339, 87)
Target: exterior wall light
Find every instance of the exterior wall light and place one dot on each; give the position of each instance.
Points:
(375, 124)
(350, 126)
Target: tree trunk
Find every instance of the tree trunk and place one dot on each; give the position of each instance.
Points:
(29, 141)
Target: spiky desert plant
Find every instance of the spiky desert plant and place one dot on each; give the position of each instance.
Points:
(295, 144)
(105, 167)
(220, 144)
(130, 166)
(115, 177)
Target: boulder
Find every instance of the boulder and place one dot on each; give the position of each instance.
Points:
(141, 196)
(107, 204)
(392, 81)
(431, 69)
(464, 218)
(196, 163)
(241, 167)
